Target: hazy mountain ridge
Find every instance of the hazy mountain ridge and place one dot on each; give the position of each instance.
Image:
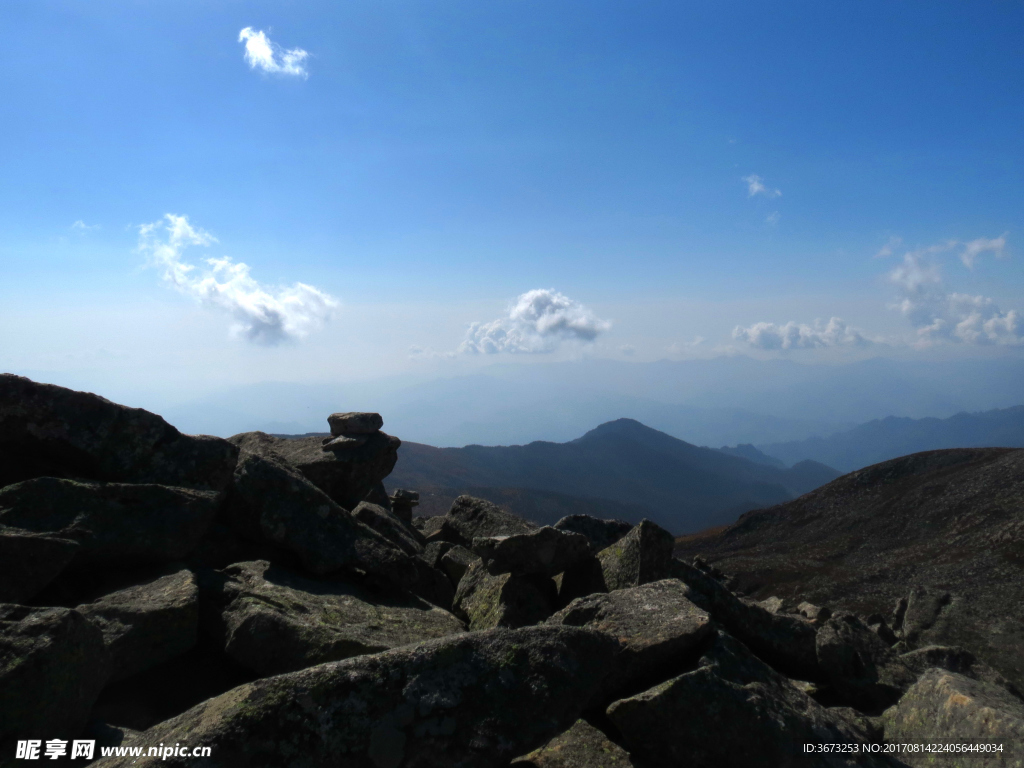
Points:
(893, 436)
(681, 486)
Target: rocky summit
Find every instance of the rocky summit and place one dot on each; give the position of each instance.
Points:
(267, 601)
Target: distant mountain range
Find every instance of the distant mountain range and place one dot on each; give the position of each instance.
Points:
(620, 469)
(888, 438)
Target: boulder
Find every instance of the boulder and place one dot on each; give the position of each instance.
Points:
(354, 423)
(773, 604)
(457, 701)
(944, 707)
(486, 601)
(861, 668)
(813, 612)
(582, 746)
(346, 476)
(471, 518)
(456, 561)
(390, 526)
(918, 612)
(432, 584)
(954, 659)
(434, 550)
(112, 522)
(30, 561)
(641, 556)
(545, 551)
(402, 503)
(272, 620)
(52, 666)
(785, 642)
(50, 431)
(659, 629)
(733, 710)
(147, 624)
(600, 533)
(275, 502)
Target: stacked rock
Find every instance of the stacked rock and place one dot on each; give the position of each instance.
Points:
(351, 430)
(402, 502)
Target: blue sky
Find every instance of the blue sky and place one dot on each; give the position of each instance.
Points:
(669, 179)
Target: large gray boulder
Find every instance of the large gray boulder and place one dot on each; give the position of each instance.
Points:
(486, 601)
(53, 665)
(600, 533)
(50, 431)
(479, 699)
(659, 628)
(582, 746)
(112, 522)
(432, 584)
(274, 502)
(859, 665)
(147, 624)
(733, 711)
(545, 551)
(954, 659)
(390, 526)
(944, 707)
(470, 518)
(346, 476)
(272, 620)
(455, 561)
(783, 641)
(30, 561)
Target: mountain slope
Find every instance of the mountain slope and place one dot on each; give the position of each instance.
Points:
(951, 521)
(681, 486)
(888, 438)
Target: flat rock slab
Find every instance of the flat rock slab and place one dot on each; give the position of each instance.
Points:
(784, 641)
(112, 522)
(50, 431)
(274, 621)
(273, 501)
(147, 624)
(944, 707)
(486, 601)
(355, 422)
(582, 746)
(470, 518)
(600, 533)
(53, 665)
(453, 702)
(732, 711)
(347, 476)
(545, 551)
(656, 624)
(30, 561)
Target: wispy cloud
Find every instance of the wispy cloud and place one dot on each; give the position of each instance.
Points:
(267, 317)
(756, 186)
(537, 321)
(939, 315)
(262, 53)
(81, 228)
(772, 218)
(835, 333)
(974, 248)
(969, 251)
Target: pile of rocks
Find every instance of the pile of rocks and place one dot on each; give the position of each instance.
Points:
(267, 598)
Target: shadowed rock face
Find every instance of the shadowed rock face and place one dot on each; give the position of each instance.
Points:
(458, 701)
(112, 522)
(52, 667)
(505, 600)
(56, 432)
(546, 551)
(950, 521)
(471, 518)
(274, 621)
(30, 561)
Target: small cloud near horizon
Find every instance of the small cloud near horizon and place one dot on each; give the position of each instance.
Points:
(755, 186)
(261, 52)
(262, 316)
(537, 322)
(792, 335)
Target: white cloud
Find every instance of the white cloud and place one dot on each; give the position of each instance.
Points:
(974, 248)
(835, 333)
(262, 52)
(953, 317)
(887, 250)
(772, 218)
(81, 228)
(537, 322)
(755, 186)
(261, 316)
